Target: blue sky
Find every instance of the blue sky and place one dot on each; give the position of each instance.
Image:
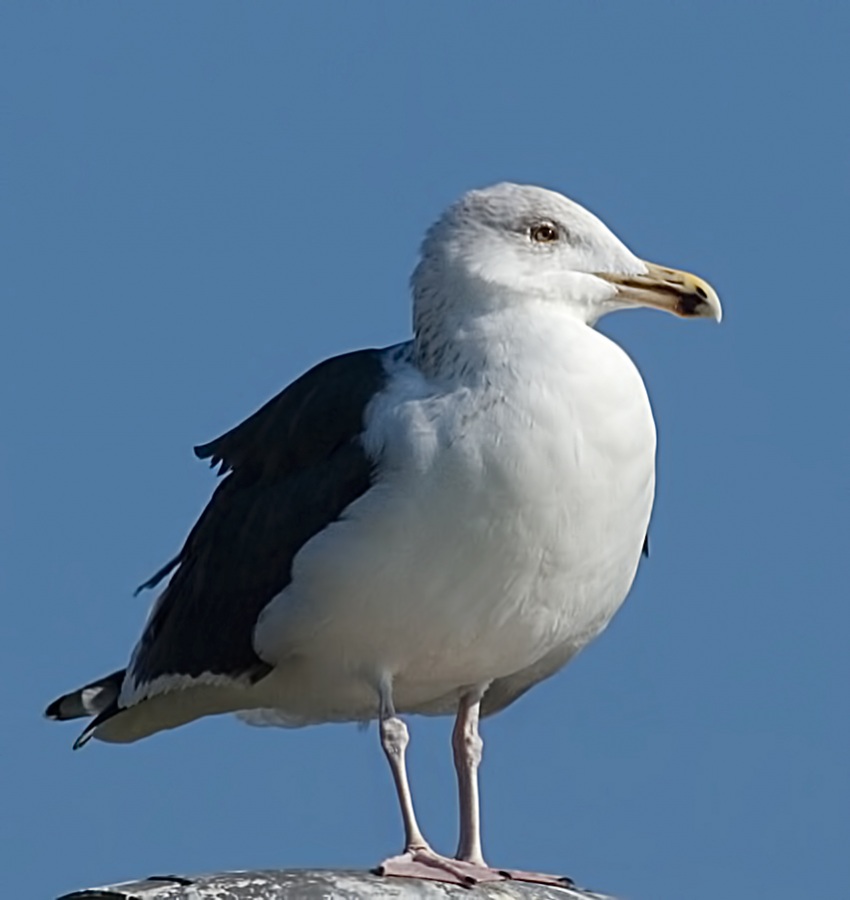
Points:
(200, 200)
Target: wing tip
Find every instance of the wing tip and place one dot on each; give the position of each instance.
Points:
(85, 737)
(54, 710)
(98, 699)
(91, 729)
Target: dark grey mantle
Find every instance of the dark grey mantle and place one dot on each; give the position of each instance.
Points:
(296, 884)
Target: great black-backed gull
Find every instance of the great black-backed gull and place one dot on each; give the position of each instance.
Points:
(432, 527)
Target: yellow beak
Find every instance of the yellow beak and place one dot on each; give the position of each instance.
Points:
(669, 289)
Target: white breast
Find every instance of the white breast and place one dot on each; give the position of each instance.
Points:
(507, 520)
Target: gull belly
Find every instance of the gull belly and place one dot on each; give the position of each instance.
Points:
(508, 522)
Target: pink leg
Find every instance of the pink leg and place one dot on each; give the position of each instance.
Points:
(467, 747)
(418, 859)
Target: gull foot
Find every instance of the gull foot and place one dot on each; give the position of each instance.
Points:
(536, 877)
(425, 863)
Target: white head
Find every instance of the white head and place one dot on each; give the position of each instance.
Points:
(512, 243)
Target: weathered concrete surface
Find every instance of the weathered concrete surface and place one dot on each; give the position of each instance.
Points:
(295, 884)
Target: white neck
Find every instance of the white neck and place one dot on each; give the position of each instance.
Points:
(464, 328)
(486, 344)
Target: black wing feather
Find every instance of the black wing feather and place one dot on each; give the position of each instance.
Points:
(304, 423)
(294, 466)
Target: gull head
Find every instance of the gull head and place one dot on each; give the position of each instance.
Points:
(513, 243)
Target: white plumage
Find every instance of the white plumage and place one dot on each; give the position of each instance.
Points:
(508, 521)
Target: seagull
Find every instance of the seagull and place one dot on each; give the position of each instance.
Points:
(432, 527)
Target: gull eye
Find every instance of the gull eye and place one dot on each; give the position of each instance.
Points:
(543, 233)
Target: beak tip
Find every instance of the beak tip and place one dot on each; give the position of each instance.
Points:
(699, 305)
(712, 309)
(699, 300)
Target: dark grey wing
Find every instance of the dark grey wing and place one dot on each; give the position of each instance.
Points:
(292, 468)
(304, 423)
